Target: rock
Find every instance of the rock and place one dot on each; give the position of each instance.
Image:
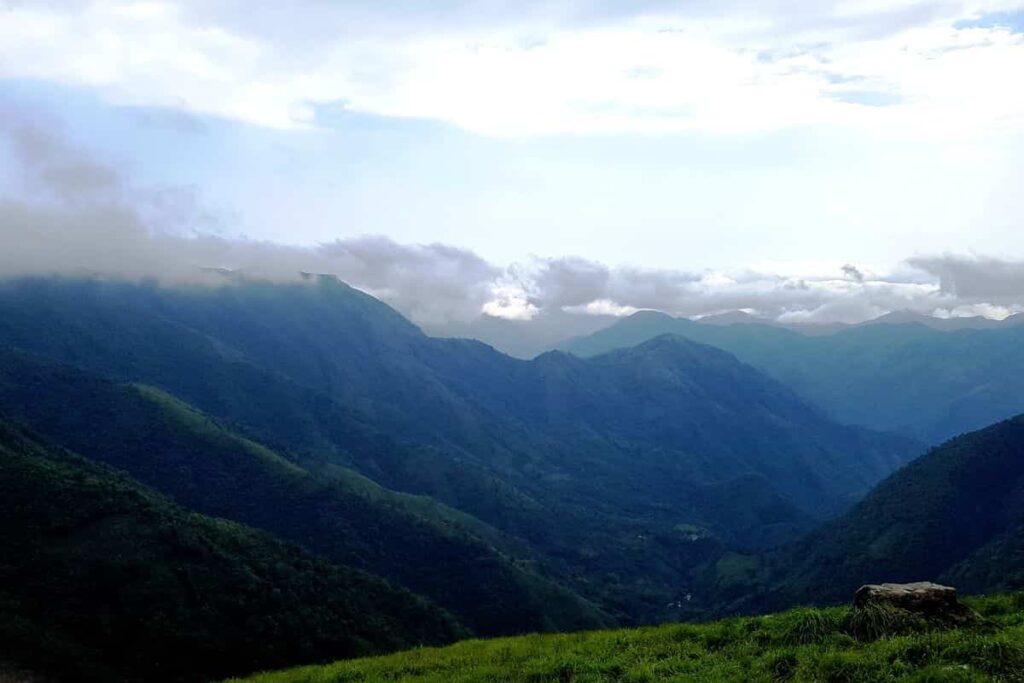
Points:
(931, 600)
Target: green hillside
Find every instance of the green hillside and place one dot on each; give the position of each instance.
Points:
(621, 477)
(955, 513)
(103, 580)
(812, 645)
(458, 562)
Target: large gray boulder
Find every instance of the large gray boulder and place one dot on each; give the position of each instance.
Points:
(930, 600)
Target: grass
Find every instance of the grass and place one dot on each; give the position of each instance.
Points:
(804, 644)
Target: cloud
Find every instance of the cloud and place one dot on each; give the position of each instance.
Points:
(976, 279)
(437, 284)
(50, 170)
(562, 282)
(658, 289)
(433, 282)
(52, 166)
(809, 293)
(543, 68)
(75, 215)
(853, 273)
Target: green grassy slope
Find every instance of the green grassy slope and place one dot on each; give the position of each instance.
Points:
(799, 645)
(102, 579)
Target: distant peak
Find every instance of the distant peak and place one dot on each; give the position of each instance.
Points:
(978, 322)
(900, 315)
(555, 355)
(649, 315)
(667, 343)
(731, 318)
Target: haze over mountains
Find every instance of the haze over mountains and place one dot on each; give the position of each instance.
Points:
(331, 329)
(923, 377)
(560, 493)
(331, 377)
(559, 329)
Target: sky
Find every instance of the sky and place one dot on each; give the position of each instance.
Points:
(826, 161)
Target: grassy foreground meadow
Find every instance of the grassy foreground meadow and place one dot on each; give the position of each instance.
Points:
(804, 644)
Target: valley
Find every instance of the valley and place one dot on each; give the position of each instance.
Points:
(667, 481)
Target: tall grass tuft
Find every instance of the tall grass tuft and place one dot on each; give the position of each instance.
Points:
(805, 625)
(880, 621)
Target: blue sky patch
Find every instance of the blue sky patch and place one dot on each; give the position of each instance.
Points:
(869, 98)
(1014, 21)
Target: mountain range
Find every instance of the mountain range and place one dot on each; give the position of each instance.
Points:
(476, 493)
(923, 377)
(653, 460)
(954, 515)
(103, 579)
(448, 556)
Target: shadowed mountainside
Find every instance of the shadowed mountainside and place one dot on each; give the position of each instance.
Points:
(105, 580)
(956, 514)
(460, 563)
(639, 455)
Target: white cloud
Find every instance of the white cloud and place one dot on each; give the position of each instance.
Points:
(743, 69)
(80, 217)
(603, 307)
(75, 215)
(437, 285)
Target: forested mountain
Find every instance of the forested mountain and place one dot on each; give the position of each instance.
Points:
(647, 483)
(618, 477)
(924, 379)
(103, 580)
(412, 541)
(956, 515)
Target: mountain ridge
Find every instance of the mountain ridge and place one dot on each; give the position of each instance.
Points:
(106, 580)
(170, 446)
(956, 514)
(329, 377)
(902, 376)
